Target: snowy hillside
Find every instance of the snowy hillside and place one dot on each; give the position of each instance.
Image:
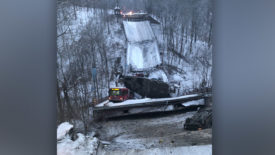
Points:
(70, 30)
(137, 46)
(81, 32)
(97, 50)
(189, 67)
(146, 48)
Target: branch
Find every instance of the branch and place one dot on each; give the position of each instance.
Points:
(63, 32)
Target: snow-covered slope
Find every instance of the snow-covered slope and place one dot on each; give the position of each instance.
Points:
(142, 50)
(138, 31)
(70, 30)
(142, 56)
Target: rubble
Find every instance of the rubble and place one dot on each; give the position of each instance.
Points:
(147, 87)
(201, 120)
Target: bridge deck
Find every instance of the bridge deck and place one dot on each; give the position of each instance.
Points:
(142, 107)
(150, 103)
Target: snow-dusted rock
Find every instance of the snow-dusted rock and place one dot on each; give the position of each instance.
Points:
(84, 145)
(63, 129)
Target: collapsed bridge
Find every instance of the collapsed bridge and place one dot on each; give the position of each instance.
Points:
(146, 87)
(143, 56)
(108, 109)
(142, 48)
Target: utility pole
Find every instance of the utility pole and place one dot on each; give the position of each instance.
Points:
(94, 82)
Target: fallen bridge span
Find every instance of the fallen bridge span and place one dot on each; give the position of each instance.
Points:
(108, 109)
(147, 87)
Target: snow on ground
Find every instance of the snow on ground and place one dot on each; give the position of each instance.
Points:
(176, 77)
(63, 130)
(197, 102)
(190, 71)
(137, 101)
(84, 145)
(142, 50)
(184, 150)
(110, 104)
(187, 81)
(143, 55)
(172, 120)
(138, 31)
(153, 135)
(76, 25)
(69, 30)
(135, 56)
(159, 74)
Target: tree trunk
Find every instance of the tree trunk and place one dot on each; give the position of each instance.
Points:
(60, 107)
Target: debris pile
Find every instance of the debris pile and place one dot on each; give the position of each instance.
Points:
(146, 87)
(201, 120)
(69, 142)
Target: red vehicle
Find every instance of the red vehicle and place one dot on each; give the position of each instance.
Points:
(119, 94)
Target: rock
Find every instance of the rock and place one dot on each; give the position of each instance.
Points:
(64, 129)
